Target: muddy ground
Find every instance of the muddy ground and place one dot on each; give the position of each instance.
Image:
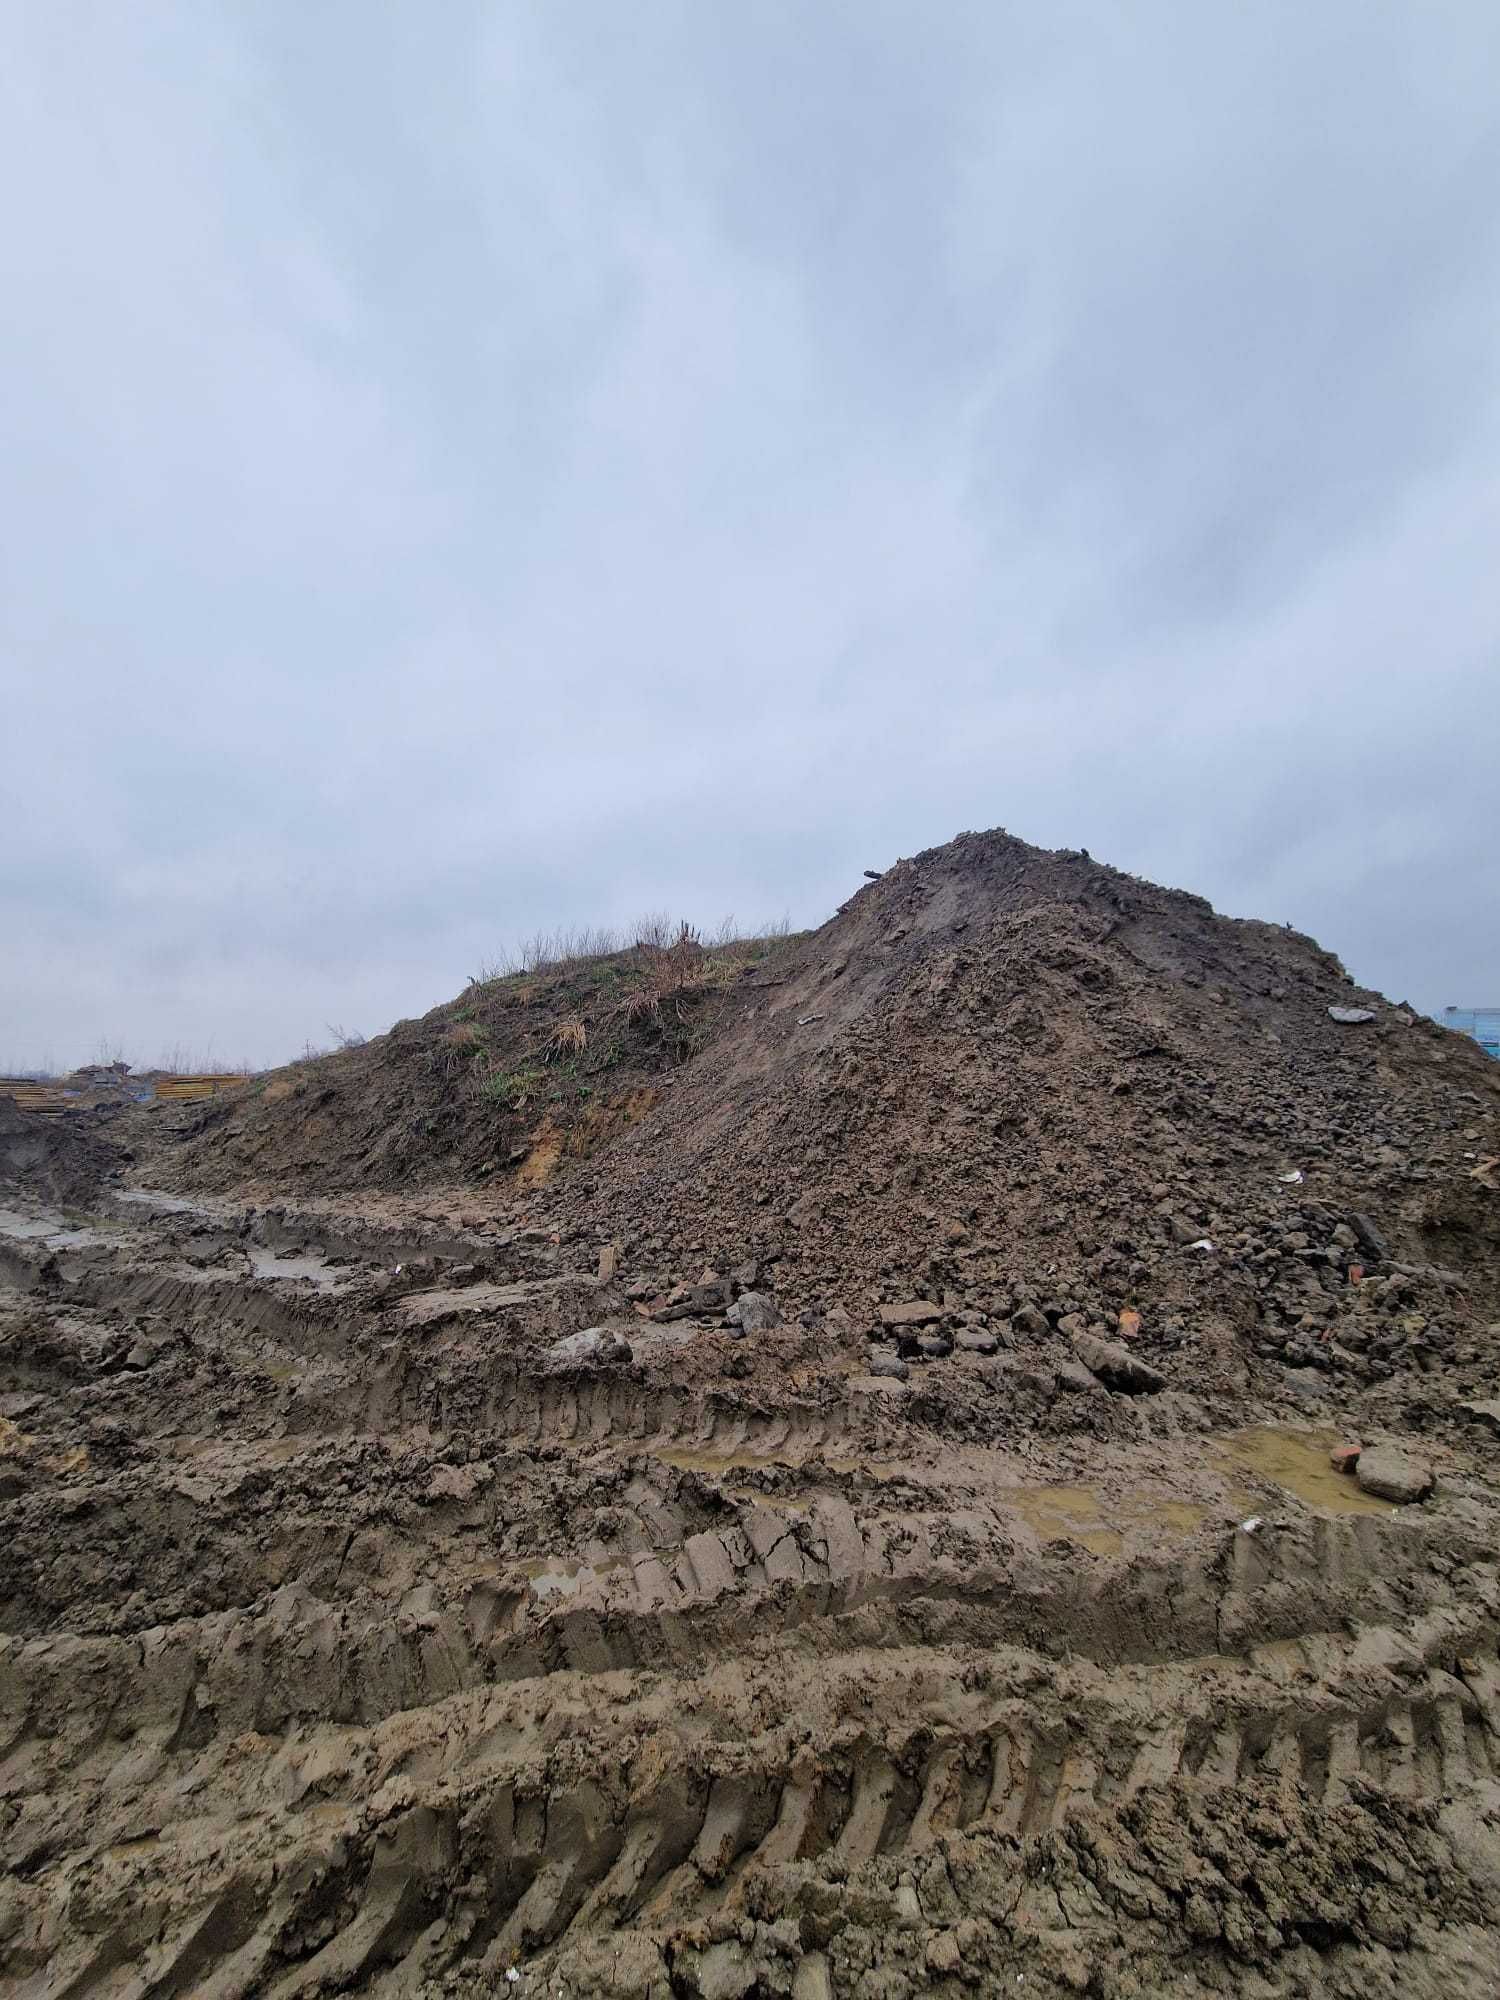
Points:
(351, 1642)
(977, 1613)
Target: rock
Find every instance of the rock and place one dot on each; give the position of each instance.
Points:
(1115, 1367)
(609, 1262)
(1370, 1237)
(974, 1341)
(692, 1301)
(743, 1277)
(753, 1312)
(1075, 1378)
(1030, 1319)
(595, 1346)
(910, 1312)
(1300, 1352)
(813, 1980)
(934, 1346)
(1072, 1323)
(1306, 1383)
(1184, 1231)
(1487, 1413)
(1393, 1475)
(888, 1364)
(1350, 1017)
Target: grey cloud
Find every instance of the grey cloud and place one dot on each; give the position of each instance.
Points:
(589, 459)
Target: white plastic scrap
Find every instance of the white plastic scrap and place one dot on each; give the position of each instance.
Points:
(1251, 1525)
(1202, 1244)
(1294, 1179)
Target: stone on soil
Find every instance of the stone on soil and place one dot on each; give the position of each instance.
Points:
(753, 1312)
(1393, 1475)
(910, 1312)
(595, 1346)
(1115, 1367)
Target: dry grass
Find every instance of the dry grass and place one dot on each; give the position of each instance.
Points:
(570, 1037)
(556, 951)
(534, 1037)
(677, 974)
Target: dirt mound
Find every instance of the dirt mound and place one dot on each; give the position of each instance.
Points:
(1003, 1091)
(1002, 1079)
(58, 1157)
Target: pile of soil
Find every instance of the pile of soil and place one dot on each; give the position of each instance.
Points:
(950, 1456)
(1000, 1080)
(1006, 1081)
(62, 1157)
(519, 1075)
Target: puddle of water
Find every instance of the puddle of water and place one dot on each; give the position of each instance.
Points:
(1061, 1513)
(556, 1583)
(1102, 1541)
(1297, 1462)
(28, 1227)
(770, 1503)
(170, 1204)
(1080, 1514)
(49, 1229)
(280, 1264)
(559, 1577)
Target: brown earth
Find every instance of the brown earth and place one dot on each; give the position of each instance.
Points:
(991, 1621)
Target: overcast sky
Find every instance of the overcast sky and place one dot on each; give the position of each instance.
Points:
(474, 468)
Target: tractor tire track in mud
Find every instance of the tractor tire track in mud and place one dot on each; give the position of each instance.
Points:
(349, 1646)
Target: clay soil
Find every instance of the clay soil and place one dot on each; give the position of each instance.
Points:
(928, 1577)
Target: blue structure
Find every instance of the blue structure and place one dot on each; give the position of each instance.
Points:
(1483, 1023)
